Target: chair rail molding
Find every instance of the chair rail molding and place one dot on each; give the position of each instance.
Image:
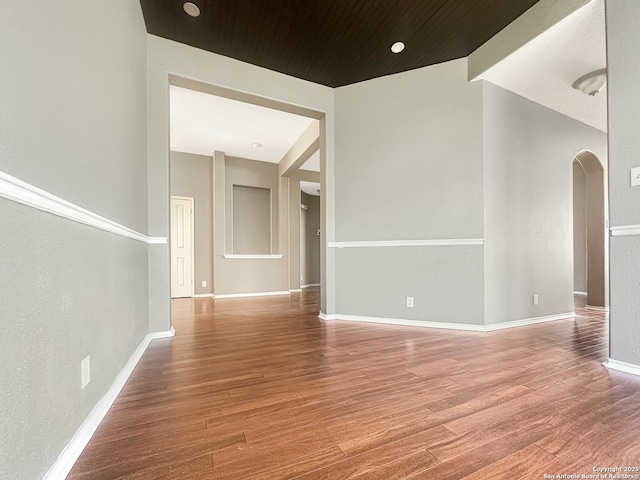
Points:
(625, 230)
(22, 192)
(436, 242)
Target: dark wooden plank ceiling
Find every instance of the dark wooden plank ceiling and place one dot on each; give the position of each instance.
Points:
(335, 42)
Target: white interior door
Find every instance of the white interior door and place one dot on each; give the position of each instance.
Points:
(181, 247)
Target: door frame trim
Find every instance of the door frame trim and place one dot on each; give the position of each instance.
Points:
(191, 201)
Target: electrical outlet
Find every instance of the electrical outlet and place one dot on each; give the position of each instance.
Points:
(85, 371)
(204, 283)
(410, 302)
(535, 299)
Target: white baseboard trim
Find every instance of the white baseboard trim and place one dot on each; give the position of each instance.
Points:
(18, 191)
(310, 285)
(582, 294)
(408, 243)
(444, 325)
(156, 335)
(296, 290)
(622, 366)
(528, 321)
(202, 295)
(256, 294)
(67, 459)
(402, 321)
(596, 308)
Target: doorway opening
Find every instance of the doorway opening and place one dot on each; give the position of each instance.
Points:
(244, 173)
(309, 234)
(590, 238)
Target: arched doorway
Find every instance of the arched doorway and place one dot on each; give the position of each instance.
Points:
(591, 263)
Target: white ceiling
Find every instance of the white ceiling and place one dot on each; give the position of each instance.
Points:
(201, 123)
(313, 163)
(310, 188)
(544, 69)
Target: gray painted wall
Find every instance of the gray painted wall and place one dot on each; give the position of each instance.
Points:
(295, 219)
(233, 275)
(194, 176)
(528, 199)
(579, 228)
(312, 247)
(68, 290)
(303, 242)
(83, 104)
(252, 220)
(283, 229)
(409, 166)
(444, 282)
(191, 177)
(623, 51)
(409, 156)
(251, 173)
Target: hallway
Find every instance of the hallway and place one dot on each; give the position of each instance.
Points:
(260, 388)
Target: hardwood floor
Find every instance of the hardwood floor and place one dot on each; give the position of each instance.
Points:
(260, 388)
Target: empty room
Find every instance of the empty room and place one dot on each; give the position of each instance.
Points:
(319, 240)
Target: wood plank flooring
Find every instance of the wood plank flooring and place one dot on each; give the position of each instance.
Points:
(260, 388)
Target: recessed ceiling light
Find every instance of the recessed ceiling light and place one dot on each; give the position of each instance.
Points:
(191, 9)
(397, 47)
(256, 145)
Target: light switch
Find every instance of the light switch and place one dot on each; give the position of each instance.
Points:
(635, 177)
